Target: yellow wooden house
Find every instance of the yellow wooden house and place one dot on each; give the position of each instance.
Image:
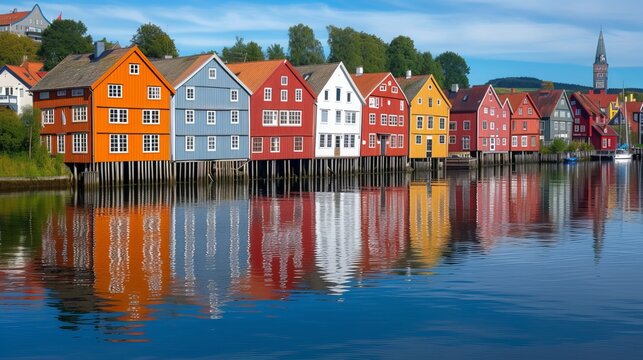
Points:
(428, 119)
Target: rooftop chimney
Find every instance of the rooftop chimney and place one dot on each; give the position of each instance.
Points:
(455, 88)
(359, 71)
(99, 49)
(168, 57)
(408, 74)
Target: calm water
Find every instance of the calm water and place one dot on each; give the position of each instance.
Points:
(530, 263)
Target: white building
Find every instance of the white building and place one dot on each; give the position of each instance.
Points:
(338, 122)
(15, 83)
(26, 23)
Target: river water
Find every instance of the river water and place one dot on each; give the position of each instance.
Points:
(529, 262)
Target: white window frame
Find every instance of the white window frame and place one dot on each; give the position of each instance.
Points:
(77, 92)
(190, 93)
(372, 119)
(61, 93)
(298, 95)
(152, 142)
(267, 94)
(275, 144)
(234, 116)
(419, 122)
(524, 141)
(120, 140)
(301, 142)
(188, 142)
(47, 116)
(372, 141)
(153, 93)
(234, 95)
(273, 114)
(284, 80)
(514, 141)
(211, 117)
(60, 145)
(189, 113)
(79, 113)
(134, 69)
(324, 116)
(79, 143)
(418, 139)
(257, 141)
(212, 143)
(153, 117)
(212, 73)
(120, 115)
(234, 142)
(283, 97)
(115, 91)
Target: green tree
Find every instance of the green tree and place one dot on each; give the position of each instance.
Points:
(242, 52)
(455, 69)
(547, 85)
(402, 56)
(12, 132)
(344, 46)
(254, 52)
(303, 47)
(373, 52)
(154, 42)
(275, 51)
(31, 121)
(62, 38)
(14, 48)
(427, 65)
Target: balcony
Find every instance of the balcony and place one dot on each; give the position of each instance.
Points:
(9, 101)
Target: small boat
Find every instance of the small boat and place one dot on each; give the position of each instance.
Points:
(570, 160)
(622, 155)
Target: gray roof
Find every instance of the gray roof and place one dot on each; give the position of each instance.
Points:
(600, 50)
(176, 70)
(317, 76)
(80, 70)
(412, 86)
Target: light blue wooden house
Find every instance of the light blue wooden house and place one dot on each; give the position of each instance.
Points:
(210, 111)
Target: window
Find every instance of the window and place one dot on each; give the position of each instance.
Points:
(257, 145)
(274, 144)
(324, 116)
(484, 125)
(514, 141)
(466, 143)
(383, 119)
(519, 111)
(371, 119)
(492, 111)
(392, 120)
(439, 102)
(484, 141)
(393, 141)
(212, 143)
(442, 139)
(114, 90)
(329, 140)
(555, 125)
(79, 114)
(77, 92)
(79, 143)
(299, 144)
(284, 80)
(117, 143)
(374, 102)
(443, 123)
(453, 125)
(513, 126)
(530, 111)
(451, 139)
(212, 73)
(118, 116)
(382, 87)
(466, 125)
(401, 105)
(234, 116)
(267, 94)
(48, 143)
(338, 94)
(349, 97)
(400, 141)
(430, 102)
(578, 112)
(419, 122)
(420, 100)
(44, 95)
(322, 140)
(394, 89)
(371, 140)
(61, 144)
(190, 93)
(61, 93)
(504, 113)
(429, 122)
(151, 143)
(294, 118)
(486, 110)
(189, 116)
(401, 122)
(270, 117)
(134, 69)
(418, 139)
(524, 125)
(347, 141)
(234, 142)
(351, 117)
(492, 125)
(284, 95)
(338, 117)
(283, 117)
(533, 141)
(234, 95)
(189, 143)
(298, 95)
(523, 141)
(326, 95)
(504, 141)
(211, 117)
(151, 116)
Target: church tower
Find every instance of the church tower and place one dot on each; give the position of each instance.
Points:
(600, 65)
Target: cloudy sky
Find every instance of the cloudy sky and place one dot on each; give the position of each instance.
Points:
(549, 39)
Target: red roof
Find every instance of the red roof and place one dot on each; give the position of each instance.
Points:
(366, 83)
(468, 100)
(546, 101)
(515, 99)
(633, 107)
(601, 99)
(587, 104)
(604, 130)
(7, 19)
(29, 72)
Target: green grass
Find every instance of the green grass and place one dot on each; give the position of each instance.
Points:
(40, 164)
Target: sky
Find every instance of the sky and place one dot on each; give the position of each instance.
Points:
(552, 40)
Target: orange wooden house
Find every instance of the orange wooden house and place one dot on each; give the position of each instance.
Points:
(109, 106)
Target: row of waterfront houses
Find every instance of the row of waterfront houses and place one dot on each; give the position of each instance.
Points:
(271, 118)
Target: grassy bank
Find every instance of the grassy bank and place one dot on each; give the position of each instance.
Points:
(40, 165)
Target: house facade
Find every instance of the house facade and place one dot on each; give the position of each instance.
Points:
(385, 125)
(555, 114)
(16, 82)
(339, 110)
(609, 104)
(591, 124)
(210, 112)
(481, 122)
(26, 23)
(429, 111)
(281, 110)
(525, 122)
(110, 106)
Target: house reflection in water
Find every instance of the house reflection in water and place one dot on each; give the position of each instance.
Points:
(429, 225)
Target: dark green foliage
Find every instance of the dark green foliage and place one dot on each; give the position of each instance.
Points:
(303, 47)
(154, 42)
(356, 49)
(254, 52)
(242, 52)
(427, 65)
(62, 38)
(13, 48)
(455, 69)
(402, 56)
(275, 52)
(558, 146)
(12, 132)
(373, 51)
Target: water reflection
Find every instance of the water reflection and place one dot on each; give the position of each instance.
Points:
(119, 260)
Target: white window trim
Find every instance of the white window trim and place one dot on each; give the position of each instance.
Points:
(253, 143)
(58, 143)
(80, 136)
(281, 95)
(187, 91)
(193, 143)
(210, 70)
(207, 117)
(234, 91)
(282, 82)
(149, 93)
(232, 142)
(186, 116)
(232, 117)
(158, 143)
(73, 118)
(267, 94)
(119, 112)
(294, 142)
(151, 112)
(118, 151)
(215, 143)
(299, 95)
(115, 97)
(278, 144)
(134, 66)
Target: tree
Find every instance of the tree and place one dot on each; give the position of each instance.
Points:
(12, 132)
(427, 65)
(62, 38)
(356, 49)
(31, 121)
(303, 47)
(455, 69)
(154, 42)
(373, 52)
(276, 51)
(14, 48)
(547, 85)
(242, 52)
(254, 52)
(402, 56)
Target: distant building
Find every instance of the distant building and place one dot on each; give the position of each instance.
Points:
(15, 83)
(591, 124)
(600, 65)
(555, 114)
(525, 122)
(27, 23)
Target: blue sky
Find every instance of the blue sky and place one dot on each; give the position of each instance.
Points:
(549, 39)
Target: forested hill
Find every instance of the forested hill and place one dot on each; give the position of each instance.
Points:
(533, 83)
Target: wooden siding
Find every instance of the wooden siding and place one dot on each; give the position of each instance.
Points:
(223, 148)
(439, 109)
(520, 116)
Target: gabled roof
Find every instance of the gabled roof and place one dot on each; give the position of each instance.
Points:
(515, 99)
(587, 104)
(468, 100)
(630, 107)
(8, 19)
(83, 70)
(602, 99)
(547, 100)
(28, 73)
(318, 76)
(604, 130)
(412, 86)
(255, 73)
(367, 83)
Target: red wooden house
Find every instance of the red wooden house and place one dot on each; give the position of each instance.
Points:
(479, 122)
(525, 122)
(282, 110)
(591, 124)
(385, 125)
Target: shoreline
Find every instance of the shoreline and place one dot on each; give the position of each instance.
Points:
(10, 184)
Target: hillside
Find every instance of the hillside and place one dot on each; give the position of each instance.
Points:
(530, 83)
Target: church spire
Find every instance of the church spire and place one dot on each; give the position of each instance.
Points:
(600, 64)
(601, 55)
